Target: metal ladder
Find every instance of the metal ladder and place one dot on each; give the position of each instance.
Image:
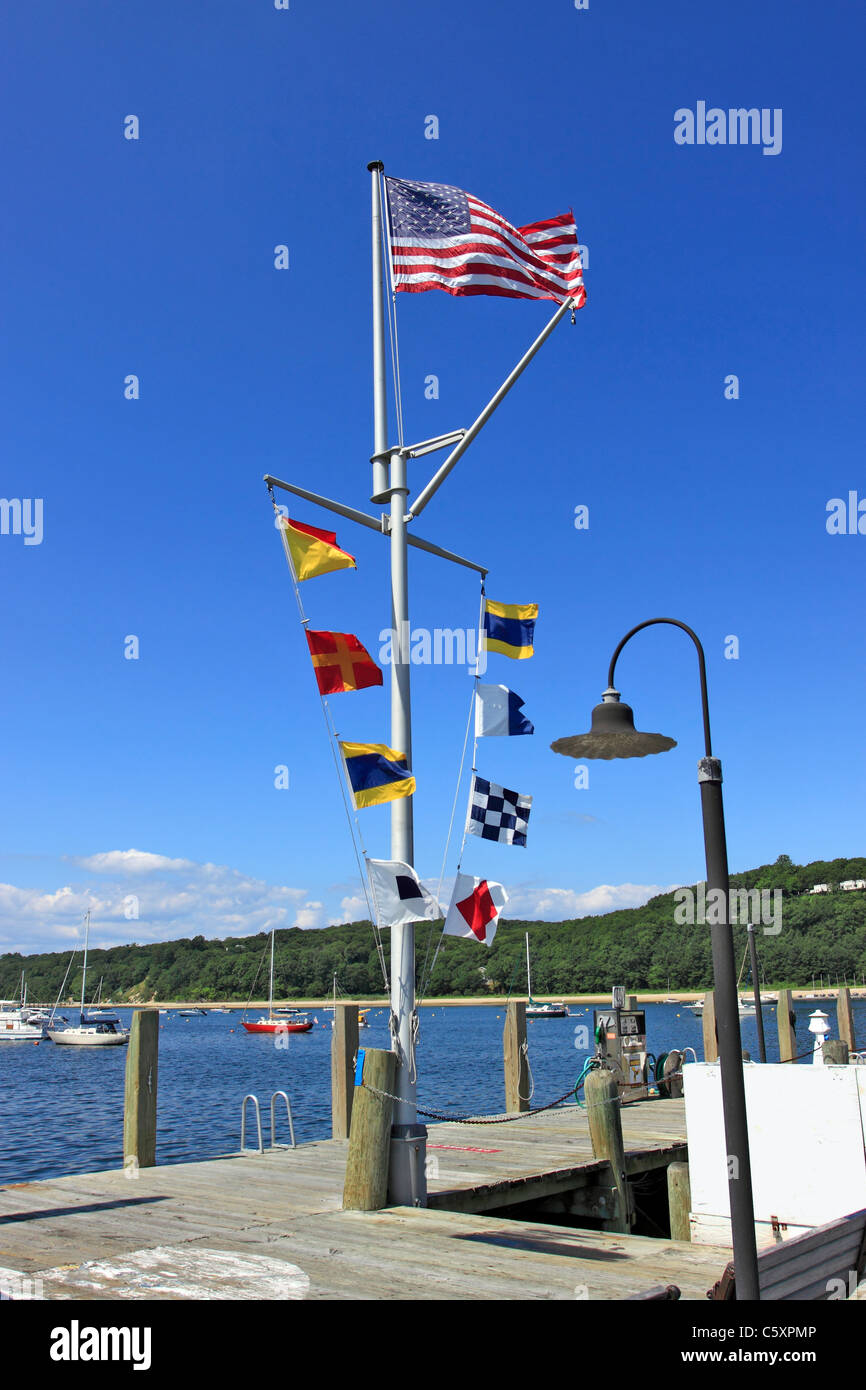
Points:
(273, 1144)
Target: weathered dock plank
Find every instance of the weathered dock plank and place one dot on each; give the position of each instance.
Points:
(270, 1225)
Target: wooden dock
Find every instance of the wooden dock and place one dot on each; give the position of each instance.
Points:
(270, 1225)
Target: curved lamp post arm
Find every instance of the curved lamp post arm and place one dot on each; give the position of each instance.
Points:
(673, 622)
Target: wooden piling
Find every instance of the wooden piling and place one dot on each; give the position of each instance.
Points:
(344, 1049)
(785, 1024)
(139, 1101)
(672, 1073)
(365, 1187)
(835, 1052)
(711, 1037)
(516, 1059)
(679, 1200)
(604, 1112)
(845, 1018)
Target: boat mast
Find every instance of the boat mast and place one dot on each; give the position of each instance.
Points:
(271, 986)
(84, 966)
(528, 976)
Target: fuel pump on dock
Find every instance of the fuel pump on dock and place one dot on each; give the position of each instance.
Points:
(620, 1045)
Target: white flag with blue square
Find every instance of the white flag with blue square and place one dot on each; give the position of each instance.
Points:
(495, 813)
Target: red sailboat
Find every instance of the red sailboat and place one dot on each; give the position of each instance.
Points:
(284, 1020)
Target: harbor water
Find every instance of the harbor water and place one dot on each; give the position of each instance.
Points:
(61, 1110)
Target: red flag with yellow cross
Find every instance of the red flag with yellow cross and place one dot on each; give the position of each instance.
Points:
(341, 662)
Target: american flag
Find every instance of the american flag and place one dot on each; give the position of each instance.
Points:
(443, 238)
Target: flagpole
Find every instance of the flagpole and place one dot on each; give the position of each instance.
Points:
(406, 1183)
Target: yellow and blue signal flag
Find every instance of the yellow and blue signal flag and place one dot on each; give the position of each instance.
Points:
(509, 628)
(376, 773)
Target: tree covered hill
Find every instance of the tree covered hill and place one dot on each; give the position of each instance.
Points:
(642, 948)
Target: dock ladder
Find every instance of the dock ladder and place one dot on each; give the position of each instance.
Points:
(273, 1144)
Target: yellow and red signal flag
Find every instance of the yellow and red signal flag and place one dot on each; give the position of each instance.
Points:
(341, 662)
(313, 551)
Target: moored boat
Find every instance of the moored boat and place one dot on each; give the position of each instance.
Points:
(533, 1008)
(90, 1031)
(281, 1020)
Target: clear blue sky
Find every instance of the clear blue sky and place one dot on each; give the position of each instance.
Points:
(155, 257)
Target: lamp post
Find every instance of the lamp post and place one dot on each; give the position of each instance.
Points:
(613, 735)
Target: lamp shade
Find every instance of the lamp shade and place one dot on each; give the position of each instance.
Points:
(613, 734)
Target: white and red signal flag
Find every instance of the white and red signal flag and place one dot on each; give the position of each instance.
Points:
(442, 238)
(475, 908)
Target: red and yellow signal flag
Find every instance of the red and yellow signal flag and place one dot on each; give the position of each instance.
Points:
(313, 551)
(341, 662)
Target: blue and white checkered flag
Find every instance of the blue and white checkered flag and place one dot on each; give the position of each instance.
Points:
(495, 813)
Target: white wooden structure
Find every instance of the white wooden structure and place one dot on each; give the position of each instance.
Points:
(806, 1128)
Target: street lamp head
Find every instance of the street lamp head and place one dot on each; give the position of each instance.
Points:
(613, 734)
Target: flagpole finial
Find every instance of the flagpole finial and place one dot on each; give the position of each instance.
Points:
(376, 164)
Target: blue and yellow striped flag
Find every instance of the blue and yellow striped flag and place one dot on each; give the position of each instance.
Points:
(376, 773)
(509, 628)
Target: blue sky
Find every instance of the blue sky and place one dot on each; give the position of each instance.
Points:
(156, 257)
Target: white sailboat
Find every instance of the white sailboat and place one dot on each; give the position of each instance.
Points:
(96, 1010)
(17, 1022)
(363, 1021)
(534, 1010)
(89, 1032)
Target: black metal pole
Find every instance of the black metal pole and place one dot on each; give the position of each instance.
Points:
(725, 986)
(756, 989)
(728, 1025)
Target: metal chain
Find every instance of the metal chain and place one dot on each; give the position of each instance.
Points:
(472, 1120)
(495, 1119)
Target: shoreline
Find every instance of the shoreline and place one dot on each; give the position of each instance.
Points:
(461, 1001)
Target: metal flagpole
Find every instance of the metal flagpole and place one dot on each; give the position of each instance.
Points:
(390, 485)
(406, 1183)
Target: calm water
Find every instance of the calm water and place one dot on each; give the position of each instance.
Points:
(62, 1107)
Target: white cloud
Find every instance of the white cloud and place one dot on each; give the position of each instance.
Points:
(555, 904)
(133, 861)
(172, 898)
(310, 915)
(180, 898)
(355, 909)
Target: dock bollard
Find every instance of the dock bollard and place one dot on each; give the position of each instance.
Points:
(514, 1047)
(344, 1046)
(785, 1024)
(710, 1031)
(139, 1100)
(679, 1200)
(845, 1018)
(604, 1111)
(365, 1187)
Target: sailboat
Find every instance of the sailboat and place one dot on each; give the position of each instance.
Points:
(534, 1010)
(287, 1021)
(97, 1031)
(96, 1010)
(363, 1021)
(17, 1022)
